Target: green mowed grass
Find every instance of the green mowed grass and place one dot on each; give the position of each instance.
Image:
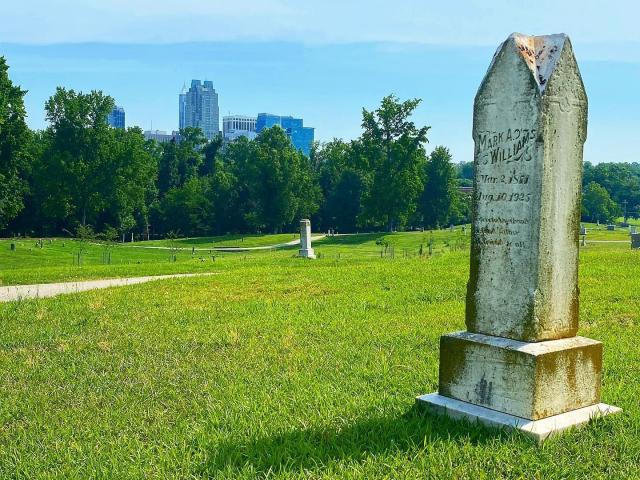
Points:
(57, 260)
(600, 232)
(225, 241)
(286, 368)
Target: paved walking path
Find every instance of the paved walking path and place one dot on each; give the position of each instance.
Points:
(228, 249)
(19, 292)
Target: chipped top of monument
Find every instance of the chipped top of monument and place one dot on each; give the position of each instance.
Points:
(539, 52)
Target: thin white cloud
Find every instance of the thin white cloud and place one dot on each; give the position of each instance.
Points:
(469, 22)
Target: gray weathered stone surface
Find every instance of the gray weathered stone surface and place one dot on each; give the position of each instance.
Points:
(635, 240)
(538, 429)
(530, 119)
(305, 239)
(528, 380)
(520, 357)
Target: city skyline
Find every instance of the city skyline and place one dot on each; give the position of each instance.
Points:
(322, 62)
(328, 87)
(198, 107)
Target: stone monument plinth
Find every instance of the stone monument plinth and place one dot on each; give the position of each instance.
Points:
(520, 363)
(305, 240)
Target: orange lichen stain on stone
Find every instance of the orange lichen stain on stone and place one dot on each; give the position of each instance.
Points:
(563, 368)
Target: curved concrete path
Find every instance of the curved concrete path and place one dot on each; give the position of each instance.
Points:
(227, 249)
(42, 290)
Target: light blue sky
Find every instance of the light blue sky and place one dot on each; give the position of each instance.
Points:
(321, 60)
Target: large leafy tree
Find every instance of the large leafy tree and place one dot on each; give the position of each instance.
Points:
(394, 149)
(342, 183)
(275, 181)
(187, 209)
(74, 168)
(133, 171)
(440, 203)
(621, 180)
(88, 172)
(183, 160)
(14, 151)
(597, 205)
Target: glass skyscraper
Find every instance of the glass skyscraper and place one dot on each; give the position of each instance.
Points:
(198, 107)
(116, 118)
(301, 136)
(182, 101)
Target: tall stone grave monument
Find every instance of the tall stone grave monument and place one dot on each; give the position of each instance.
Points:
(520, 363)
(305, 240)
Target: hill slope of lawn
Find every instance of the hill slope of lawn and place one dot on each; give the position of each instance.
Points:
(286, 368)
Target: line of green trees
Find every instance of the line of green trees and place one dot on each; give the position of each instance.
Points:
(609, 190)
(80, 172)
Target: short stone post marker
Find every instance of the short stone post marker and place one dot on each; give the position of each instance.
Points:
(305, 240)
(635, 240)
(520, 363)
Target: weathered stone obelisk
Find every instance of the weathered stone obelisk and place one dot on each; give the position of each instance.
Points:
(520, 363)
(305, 240)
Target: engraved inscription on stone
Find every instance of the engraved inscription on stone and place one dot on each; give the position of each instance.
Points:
(520, 355)
(504, 184)
(529, 117)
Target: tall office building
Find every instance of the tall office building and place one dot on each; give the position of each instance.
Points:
(200, 108)
(235, 126)
(301, 136)
(116, 118)
(182, 101)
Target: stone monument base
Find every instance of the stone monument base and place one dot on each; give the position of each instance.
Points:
(538, 429)
(531, 380)
(307, 253)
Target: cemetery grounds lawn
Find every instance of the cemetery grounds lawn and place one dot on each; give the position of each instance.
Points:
(226, 241)
(56, 260)
(286, 368)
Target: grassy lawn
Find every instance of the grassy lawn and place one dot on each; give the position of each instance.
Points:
(283, 368)
(600, 232)
(225, 241)
(56, 260)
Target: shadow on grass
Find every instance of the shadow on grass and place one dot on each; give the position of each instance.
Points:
(296, 450)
